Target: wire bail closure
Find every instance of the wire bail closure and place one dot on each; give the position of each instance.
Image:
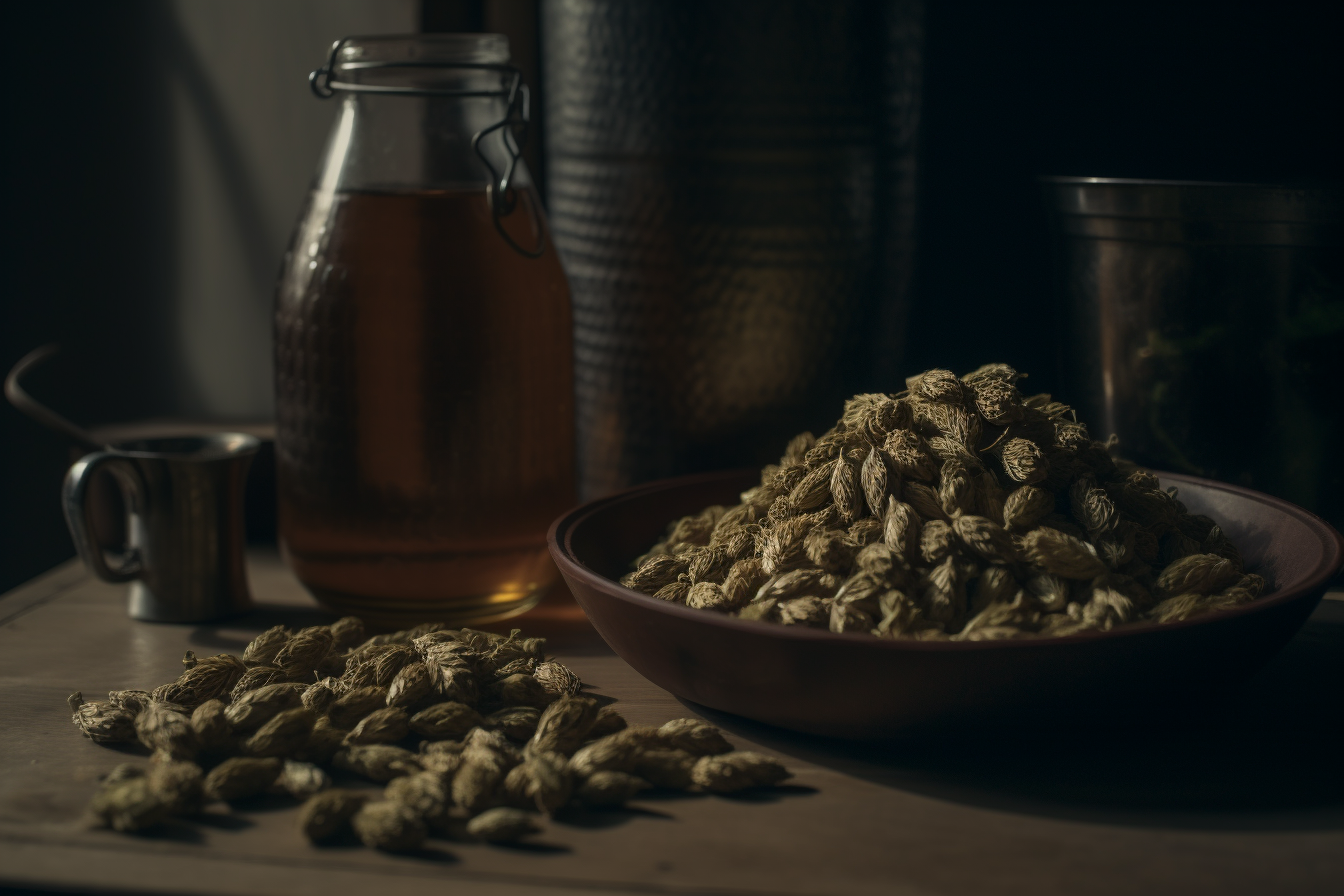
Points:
(501, 195)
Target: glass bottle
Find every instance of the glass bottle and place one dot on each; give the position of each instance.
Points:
(424, 386)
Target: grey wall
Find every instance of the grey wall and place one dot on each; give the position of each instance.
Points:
(246, 134)
(161, 152)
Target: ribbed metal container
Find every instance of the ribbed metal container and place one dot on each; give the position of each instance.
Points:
(1206, 328)
(731, 189)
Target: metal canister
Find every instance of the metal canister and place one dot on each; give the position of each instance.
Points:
(731, 188)
(1206, 328)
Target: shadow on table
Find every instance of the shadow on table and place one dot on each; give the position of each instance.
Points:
(1265, 757)
(557, 618)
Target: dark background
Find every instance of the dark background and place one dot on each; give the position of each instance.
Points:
(1235, 92)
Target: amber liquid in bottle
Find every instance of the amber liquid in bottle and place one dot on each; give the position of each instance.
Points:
(424, 405)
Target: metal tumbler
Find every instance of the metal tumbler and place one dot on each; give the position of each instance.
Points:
(1205, 328)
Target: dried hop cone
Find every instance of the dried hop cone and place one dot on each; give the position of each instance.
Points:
(445, 721)
(1061, 554)
(557, 678)
(985, 538)
(377, 762)
(656, 572)
(257, 677)
(807, 611)
(607, 721)
(1092, 508)
(1025, 506)
(302, 780)
(319, 696)
(250, 711)
(130, 700)
(301, 654)
(390, 663)
(413, 686)
(925, 501)
(731, 772)
(167, 731)
(607, 788)
(501, 825)
(389, 826)
(669, 769)
(282, 736)
(382, 726)
(909, 456)
(328, 814)
(542, 782)
(515, 722)
(830, 550)
(694, 736)
(211, 724)
(206, 679)
(707, 596)
(615, 752)
(997, 400)
(873, 478)
(479, 775)
(129, 805)
(102, 723)
(674, 592)
(263, 648)
(814, 489)
(1198, 574)
(179, 784)
(1024, 461)
(426, 794)
(241, 777)
(520, 690)
(936, 385)
(347, 633)
(354, 705)
(847, 489)
(564, 725)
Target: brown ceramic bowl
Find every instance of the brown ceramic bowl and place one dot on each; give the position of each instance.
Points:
(859, 686)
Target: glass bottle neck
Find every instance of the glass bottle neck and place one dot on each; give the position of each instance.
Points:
(398, 143)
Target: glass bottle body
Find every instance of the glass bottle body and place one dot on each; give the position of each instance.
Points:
(423, 375)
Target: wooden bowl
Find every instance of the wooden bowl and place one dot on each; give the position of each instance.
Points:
(859, 686)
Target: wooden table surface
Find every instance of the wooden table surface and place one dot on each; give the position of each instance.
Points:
(1245, 797)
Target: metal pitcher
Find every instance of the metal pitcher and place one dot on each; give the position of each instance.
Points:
(184, 499)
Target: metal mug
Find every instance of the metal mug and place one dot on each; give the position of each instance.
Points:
(184, 502)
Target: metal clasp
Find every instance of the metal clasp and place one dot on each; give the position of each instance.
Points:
(503, 198)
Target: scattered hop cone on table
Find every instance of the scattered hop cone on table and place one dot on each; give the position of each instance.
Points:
(102, 723)
(477, 777)
(129, 805)
(610, 788)
(241, 777)
(302, 780)
(730, 772)
(389, 826)
(501, 825)
(166, 730)
(327, 814)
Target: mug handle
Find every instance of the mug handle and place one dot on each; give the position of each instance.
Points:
(73, 499)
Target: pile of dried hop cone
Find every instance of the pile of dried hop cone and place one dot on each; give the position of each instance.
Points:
(957, 509)
(474, 735)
